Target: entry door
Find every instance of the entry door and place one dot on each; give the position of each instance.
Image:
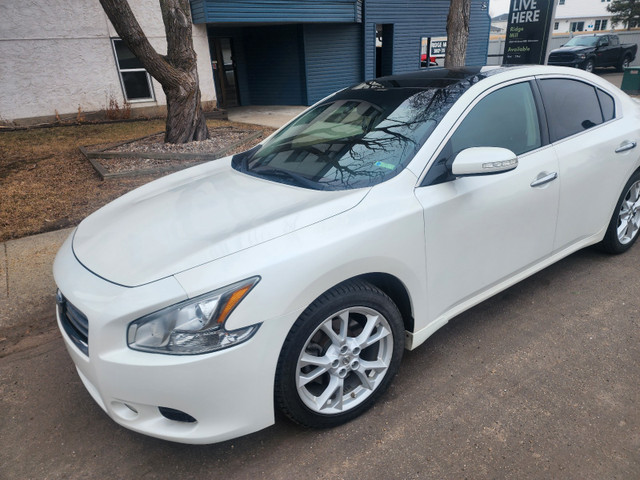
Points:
(481, 230)
(224, 67)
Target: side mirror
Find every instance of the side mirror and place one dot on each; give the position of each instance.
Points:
(483, 161)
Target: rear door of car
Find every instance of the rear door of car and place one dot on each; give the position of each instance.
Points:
(481, 230)
(586, 129)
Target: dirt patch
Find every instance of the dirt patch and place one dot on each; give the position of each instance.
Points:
(47, 184)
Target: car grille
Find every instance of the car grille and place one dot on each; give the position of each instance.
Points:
(74, 322)
(562, 57)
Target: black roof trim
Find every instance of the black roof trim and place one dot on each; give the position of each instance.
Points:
(433, 77)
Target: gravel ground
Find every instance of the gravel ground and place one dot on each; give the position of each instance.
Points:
(217, 146)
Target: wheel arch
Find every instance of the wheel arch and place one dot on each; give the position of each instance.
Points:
(391, 286)
(397, 291)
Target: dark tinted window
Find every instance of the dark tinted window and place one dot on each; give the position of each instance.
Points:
(506, 118)
(608, 106)
(571, 106)
(135, 79)
(126, 58)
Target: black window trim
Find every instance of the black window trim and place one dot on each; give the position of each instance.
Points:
(538, 78)
(542, 120)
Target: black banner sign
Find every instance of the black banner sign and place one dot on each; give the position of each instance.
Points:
(528, 32)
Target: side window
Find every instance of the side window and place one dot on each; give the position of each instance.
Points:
(572, 107)
(506, 118)
(608, 105)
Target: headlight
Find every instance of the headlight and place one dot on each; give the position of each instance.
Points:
(581, 56)
(194, 326)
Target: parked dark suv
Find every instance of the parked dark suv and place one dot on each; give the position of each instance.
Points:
(594, 51)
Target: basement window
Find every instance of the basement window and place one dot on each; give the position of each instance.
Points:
(135, 81)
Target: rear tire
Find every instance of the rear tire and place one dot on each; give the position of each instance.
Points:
(340, 356)
(625, 62)
(624, 226)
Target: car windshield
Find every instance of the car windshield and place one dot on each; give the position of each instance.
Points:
(357, 138)
(582, 42)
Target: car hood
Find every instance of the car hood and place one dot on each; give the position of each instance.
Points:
(194, 217)
(575, 49)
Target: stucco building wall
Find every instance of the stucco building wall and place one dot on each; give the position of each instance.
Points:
(56, 56)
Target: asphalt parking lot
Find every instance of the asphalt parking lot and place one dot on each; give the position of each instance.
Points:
(540, 382)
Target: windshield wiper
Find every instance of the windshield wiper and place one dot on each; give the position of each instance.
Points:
(297, 179)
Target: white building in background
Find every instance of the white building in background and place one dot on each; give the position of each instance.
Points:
(59, 57)
(582, 16)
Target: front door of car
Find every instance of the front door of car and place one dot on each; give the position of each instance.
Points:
(481, 230)
(596, 152)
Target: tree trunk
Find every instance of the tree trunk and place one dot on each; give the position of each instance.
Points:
(457, 33)
(185, 119)
(177, 71)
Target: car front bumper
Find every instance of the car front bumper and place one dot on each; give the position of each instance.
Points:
(229, 393)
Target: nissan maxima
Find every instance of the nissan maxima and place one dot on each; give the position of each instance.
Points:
(292, 276)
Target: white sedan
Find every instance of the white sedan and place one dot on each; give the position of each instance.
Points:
(294, 275)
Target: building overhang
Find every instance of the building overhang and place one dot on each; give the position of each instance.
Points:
(276, 11)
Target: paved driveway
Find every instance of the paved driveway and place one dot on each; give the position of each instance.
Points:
(539, 382)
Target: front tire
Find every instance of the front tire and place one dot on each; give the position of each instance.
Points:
(624, 226)
(340, 356)
(589, 66)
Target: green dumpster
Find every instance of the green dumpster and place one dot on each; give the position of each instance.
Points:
(631, 80)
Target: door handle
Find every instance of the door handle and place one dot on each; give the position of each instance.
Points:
(626, 146)
(538, 182)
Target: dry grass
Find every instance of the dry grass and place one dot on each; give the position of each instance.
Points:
(47, 184)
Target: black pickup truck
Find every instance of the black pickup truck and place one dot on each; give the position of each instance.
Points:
(593, 51)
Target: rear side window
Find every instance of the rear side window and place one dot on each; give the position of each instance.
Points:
(572, 107)
(608, 105)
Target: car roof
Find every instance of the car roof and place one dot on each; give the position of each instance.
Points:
(435, 77)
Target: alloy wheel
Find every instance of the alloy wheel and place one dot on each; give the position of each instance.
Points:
(344, 360)
(629, 215)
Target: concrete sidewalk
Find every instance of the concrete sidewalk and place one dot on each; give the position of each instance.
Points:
(28, 291)
(268, 116)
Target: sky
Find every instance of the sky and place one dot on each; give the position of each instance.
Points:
(498, 7)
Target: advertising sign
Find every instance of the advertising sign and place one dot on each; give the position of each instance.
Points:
(438, 47)
(528, 31)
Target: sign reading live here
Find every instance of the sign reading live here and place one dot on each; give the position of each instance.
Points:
(528, 32)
